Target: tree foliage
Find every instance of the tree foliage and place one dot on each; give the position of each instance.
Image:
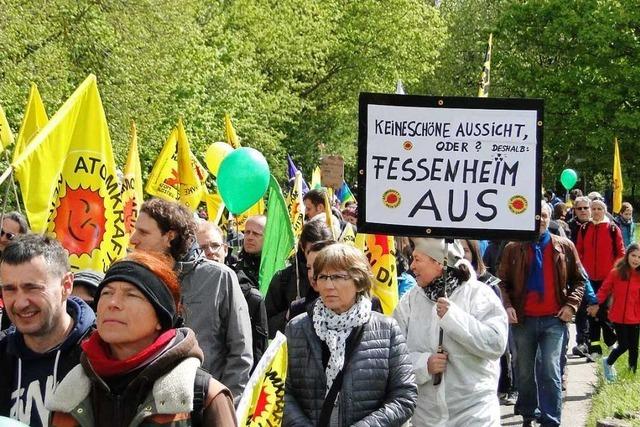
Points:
(288, 72)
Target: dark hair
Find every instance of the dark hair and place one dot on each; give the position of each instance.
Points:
(172, 216)
(476, 259)
(26, 247)
(622, 265)
(576, 192)
(559, 211)
(314, 231)
(19, 218)
(461, 272)
(624, 207)
(320, 245)
(316, 196)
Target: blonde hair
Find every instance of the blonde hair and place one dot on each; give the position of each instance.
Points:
(344, 257)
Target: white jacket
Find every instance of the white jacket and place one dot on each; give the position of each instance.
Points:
(475, 336)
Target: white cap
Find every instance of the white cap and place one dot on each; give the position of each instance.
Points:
(434, 248)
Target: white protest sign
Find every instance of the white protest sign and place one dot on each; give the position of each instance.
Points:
(451, 167)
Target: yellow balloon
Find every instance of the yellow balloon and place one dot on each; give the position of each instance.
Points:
(216, 152)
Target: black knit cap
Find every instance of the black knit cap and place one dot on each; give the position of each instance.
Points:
(154, 289)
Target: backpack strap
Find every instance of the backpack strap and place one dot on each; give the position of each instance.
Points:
(200, 391)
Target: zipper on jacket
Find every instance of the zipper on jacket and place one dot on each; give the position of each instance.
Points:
(626, 298)
(117, 408)
(595, 246)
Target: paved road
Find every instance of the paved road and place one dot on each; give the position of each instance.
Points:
(577, 398)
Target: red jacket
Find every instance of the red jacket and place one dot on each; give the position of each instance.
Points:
(625, 304)
(599, 246)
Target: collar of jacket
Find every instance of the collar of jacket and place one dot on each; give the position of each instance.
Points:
(172, 393)
(605, 220)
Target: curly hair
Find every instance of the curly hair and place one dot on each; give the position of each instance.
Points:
(173, 216)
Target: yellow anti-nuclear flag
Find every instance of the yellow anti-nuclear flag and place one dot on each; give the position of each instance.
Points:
(35, 118)
(295, 206)
(348, 236)
(190, 187)
(617, 179)
(257, 209)
(164, 179)
(262, 402)
(230, 132)
(381, 252)
(6, 136)
(68, 180)
(215, 207)
(132, 194)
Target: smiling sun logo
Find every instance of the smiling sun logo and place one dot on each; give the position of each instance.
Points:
(80, 220)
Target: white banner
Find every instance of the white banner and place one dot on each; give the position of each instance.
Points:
(460, 170)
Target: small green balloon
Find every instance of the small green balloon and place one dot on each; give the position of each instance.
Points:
(243, 179)
(568, 178)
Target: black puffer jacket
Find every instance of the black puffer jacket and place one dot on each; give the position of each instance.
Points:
(379, 386)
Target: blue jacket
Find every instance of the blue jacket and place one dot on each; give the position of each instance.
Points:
(34, 376)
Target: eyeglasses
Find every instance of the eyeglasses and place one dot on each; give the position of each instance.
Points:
(582, 208)
(212, 246)
(10, 236)
(335, 278)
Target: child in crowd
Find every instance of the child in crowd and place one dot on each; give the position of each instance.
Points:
(623, 284)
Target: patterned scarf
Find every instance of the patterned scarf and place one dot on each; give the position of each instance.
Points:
(436, 289)
(334, 329)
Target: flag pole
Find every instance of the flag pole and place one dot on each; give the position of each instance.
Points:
(13, 183)
(6, 174)
(437, 378)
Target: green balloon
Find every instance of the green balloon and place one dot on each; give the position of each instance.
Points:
(243, 179)
(568, 178)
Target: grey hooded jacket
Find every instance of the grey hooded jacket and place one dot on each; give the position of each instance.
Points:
(378, 389)
(216, 310)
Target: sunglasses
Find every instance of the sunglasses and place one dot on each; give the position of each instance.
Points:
(582, 208)
(10, 236)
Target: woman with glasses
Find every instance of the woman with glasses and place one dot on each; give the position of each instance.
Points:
(474, 330)
(347, 364)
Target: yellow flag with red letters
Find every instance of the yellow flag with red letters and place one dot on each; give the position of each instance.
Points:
(381, 252)
(67, 176)
(167, 180)
(132, 194)
(190, 187)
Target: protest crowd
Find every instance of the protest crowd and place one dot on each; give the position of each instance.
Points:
(262, 309)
